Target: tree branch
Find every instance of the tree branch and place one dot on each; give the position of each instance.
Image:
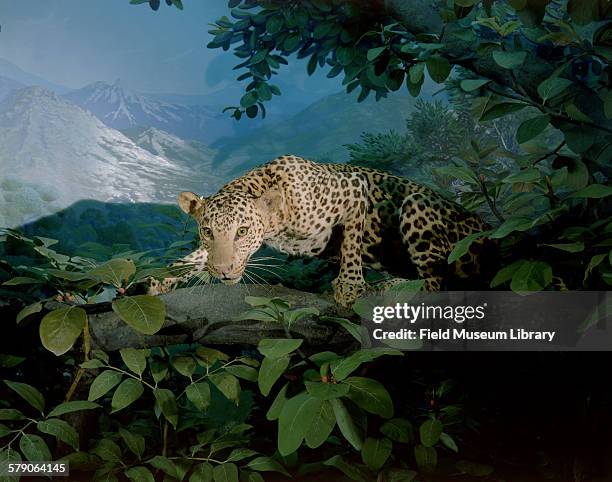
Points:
(206, 314)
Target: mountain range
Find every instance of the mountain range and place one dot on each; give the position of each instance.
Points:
(53, 153)
(112, 144)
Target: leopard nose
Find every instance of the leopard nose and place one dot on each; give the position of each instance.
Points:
(225, 269)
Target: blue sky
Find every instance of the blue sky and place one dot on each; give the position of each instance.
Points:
(75, 42)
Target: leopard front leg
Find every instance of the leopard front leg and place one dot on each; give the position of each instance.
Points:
(185, 269)
(349, 284)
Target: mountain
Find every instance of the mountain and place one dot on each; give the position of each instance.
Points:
(7, 86)
(121, 108)
(318, 132)
(10, 70)
(193, 156)
(53, 153)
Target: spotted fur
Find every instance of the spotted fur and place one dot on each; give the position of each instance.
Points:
(359, 216)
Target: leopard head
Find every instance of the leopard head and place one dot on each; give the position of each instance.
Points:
(232, 226)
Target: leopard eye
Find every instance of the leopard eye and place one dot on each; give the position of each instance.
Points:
(242, 231)
(206, 233)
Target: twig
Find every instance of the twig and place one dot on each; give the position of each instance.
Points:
(490, 201)
(552, 153)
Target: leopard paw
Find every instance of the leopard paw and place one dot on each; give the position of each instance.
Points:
(346, 293)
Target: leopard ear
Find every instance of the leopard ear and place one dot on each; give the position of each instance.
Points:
(190, 202)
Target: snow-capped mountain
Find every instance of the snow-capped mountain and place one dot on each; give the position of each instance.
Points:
(193, 156)
(8, 85)
(120, 108)
(47, 140)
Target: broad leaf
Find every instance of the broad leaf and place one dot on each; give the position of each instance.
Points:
(29, 394)
(199, 395)
(322, 425)
(295, 420)
(60, 328)
(346, 424)
(167, 404)
(134, 359)
(271, 369)
(34, 448)
(375, 452)
(61, 430)
(115, 272)
(103, 383)
(127, 393)
(144, 313)
(72, 406)
(275, 348)
(370, 395)
(430, 431)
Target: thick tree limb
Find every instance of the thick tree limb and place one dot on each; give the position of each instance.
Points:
(205, 314)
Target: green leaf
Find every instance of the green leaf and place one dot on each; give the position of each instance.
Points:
(34, 448)
(28, 310)
(426, 457)
(185, 365)
(210, 355)
(199, 395)
(134, 359)
(295, 420)
(448, 442)
(278, 347)
(249, 99)
(139, 474)
(370, 395)
(401, 475)
(29, 394)
(463, 245)
(278, 404)
(506, 273)
(202, 473)
(501, 109)
(374, 53)
(531, 276)
(107, 450)
(509, 60)
(127, 393)
(267, 464)
(61, 430)
(167, 403)
(11, 414)
(584, 12)
(458, 172)
(439, 68)
(375, 452)
(72, 406)
(518, 223)
(575, 113)
(143, 313)
(115, 272)
(326, 391)
(166, 465)
(60, 328)
(346, 424)
(133, 441)
(531, 128)
(321, 427)
(227, 472)
(398, 429)
(351, 470)
(240, 454)
(274, 24)
(227, 384)
(241, 371)
(593, 191)
(343, 367)
(552, 87)
(568, 247)
(104, 382)
(527, 175)
(271, 369)
(595, 261)
(430, 431)
(470, 85)
(416, 73)
(22, 280)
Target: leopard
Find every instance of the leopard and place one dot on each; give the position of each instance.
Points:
(357, 216)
